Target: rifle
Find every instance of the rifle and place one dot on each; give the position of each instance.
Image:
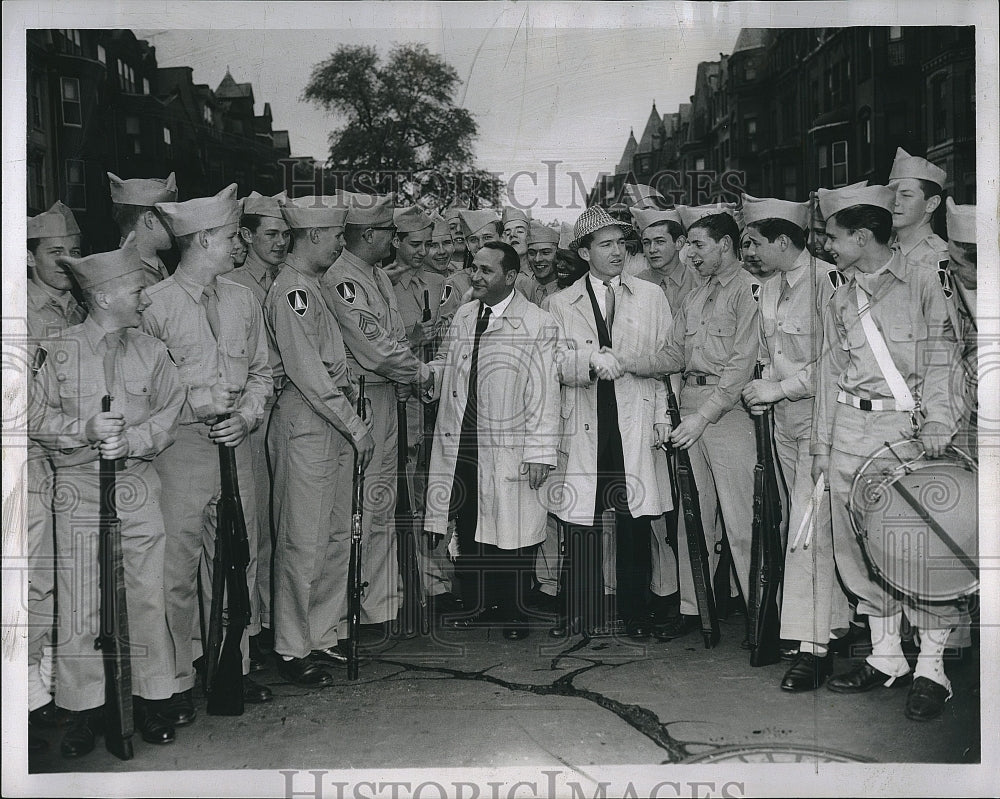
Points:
(355, 586)
(223, 659)
(766, 551)
(429, 408)
(113, 638)
(412, 614)
(695, 533)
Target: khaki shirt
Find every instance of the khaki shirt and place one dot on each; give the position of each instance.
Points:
(255, 275)
(50, 313)
(909, 308)
(363, 302)
(305, 334)
(714, 334)
(927, 250)
(676, 284)
(68, 390)
(177, 317)
(791, 325)
(409, 289)
(537, 292)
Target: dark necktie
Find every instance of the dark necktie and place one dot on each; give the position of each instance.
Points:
(210, 300)
(471, 409)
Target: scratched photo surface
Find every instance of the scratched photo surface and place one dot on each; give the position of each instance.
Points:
(550, 109)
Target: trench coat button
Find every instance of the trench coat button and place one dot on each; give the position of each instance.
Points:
(586, 427)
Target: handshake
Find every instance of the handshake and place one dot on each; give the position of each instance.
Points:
(606, 365)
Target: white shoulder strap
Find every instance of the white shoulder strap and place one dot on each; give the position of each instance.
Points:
(897, 385)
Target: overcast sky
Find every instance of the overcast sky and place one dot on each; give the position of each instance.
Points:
(537, 93)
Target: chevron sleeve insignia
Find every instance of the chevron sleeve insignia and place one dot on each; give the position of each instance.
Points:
(369, 326)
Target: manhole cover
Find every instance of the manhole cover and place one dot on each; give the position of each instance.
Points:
(776, 753)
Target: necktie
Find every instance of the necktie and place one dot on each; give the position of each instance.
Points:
(609, 304)
(481, 324)
(112, 342)
(211, 302)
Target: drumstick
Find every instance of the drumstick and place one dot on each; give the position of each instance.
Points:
(817, 497)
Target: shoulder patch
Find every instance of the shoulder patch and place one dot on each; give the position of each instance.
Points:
(348, 291)
(755, 290)
(298, 301)
(836, 278)
(945, 279)
(448, 291)
(369, 325)
(39, 360)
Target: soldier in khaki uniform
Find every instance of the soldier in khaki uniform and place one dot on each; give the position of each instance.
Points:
(132, 208)
(51, 309)
(917, 183)
(413, 233)
(714, 347)
(265, 233)
(478, 228)
(436, 272)
(105, 355)
(363, 301)
(543, 242)
(791, 312)
(214, 331)
(514, 226)
(453, 217)
(662, 236)
(313, 436)
(897, 308)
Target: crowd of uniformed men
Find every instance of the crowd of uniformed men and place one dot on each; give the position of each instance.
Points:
(543, 353)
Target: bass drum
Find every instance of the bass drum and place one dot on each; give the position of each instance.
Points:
(917, 520)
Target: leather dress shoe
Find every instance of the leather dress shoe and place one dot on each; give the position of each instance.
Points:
(637, 630)
(542, 604)
(807, 673)
(254, 693)
(82, 728)
(563, 628)
(305, 671)
(332, 655)
(152, 724)
(677, 628)
(179, 709)
(44, 716)
(484, 617)
(788, 651)
(926, 699)
(516, 630)
(264, 641)
(864, 677)
(446, 602)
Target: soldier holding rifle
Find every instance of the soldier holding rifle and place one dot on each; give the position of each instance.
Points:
(314, 434)
(791, 312)
(107, 356)
(214, 331)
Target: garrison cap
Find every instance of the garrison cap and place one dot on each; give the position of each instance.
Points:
(961, 221)
(202, 213)
(542, 234)
(474, 221)
(440, 225)
(410, 219)
(57, 221)
(314, 211)
(913, 166)
(370, 210)
(453, 212)
(833, 201)
(259, 205)
(644, 217)
(692, 213)
(640, 196)
(511, 214)
(143, 191)
(593, 219)
(105, 266)
(756, 209)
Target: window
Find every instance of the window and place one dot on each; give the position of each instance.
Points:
(839, 163)
(36, 184)
(699, 164)
(167, 148)
(751, 135)
(71, 112)
(145, 85)
(790, 178)
(939, 108)
(751, 71)
(126, 77)
(71, 43)
(895, 34)
(206, 114)
(76, 185)
(166, 135)
(35, 116)
(896, 52)
(133, 133)
(102, 55)
(822, 154)
(865, 136)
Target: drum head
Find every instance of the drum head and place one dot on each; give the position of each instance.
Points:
(918, 525)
